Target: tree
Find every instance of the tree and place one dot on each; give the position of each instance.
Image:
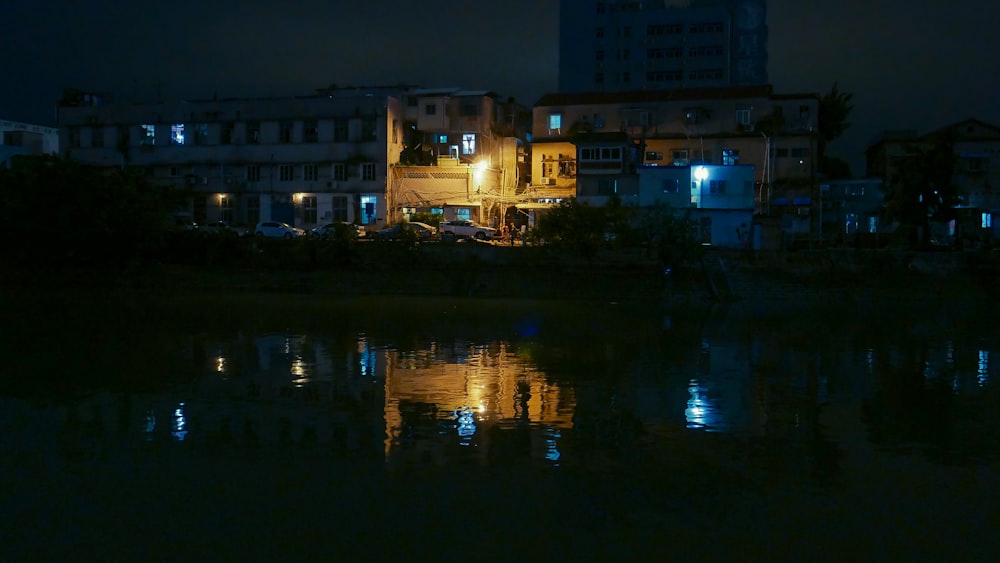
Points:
(81, 215)
(921, 187)
(834, 108)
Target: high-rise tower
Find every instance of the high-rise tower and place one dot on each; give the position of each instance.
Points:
(620, 45)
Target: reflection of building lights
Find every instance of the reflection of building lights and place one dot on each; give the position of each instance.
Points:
(220, 364)
(466, 422)
(180, 423)
(699, 410)
(298, 367)
(984, 368)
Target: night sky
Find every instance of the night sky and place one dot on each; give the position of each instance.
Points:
(916, 64)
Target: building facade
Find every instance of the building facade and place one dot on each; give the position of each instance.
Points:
(975, 175)
(747, 125)
(18, 138)
(301, 160)
(623, 45)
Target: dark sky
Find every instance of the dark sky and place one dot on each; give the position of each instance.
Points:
(915, 64)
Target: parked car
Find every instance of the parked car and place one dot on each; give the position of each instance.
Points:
(333, 230)
(222, 228)
(396, 232)
(274, 229)
(462, 228)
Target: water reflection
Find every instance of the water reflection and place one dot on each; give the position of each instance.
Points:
(808, 394)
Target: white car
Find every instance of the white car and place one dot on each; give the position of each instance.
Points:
(274, 229)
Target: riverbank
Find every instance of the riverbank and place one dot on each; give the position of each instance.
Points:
(490, 271)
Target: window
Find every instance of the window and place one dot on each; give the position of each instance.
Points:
(309, 209)
(340, 172)
(369, 128)
(599, 55)
(430, 109)
(599, 33)
(309, 172)
(225, 209)
(226, 134)
(780, 152)
(310, 131)
(199, 134)
(339, 208)
(468, 110)
(716, 186)
(177, 134)
(253, 132)
(742, 115)
(601, 8)
(974, 164)
(123, 135)
(987, 220)
(800, 152)
(368, 172)
(854, 191)
(599, 78)
(285, 173)
(598, 121)
(97, 137)
(679, 157)
(340, 130)
(671, 186)
(253, 209)
(443, 139)
(555, 124)
(652, 155)
(730, 157)
(412, 101)
(463, 214)
(626, 77)
(601, 153)
(253, 173)
(285, 129)
(173, 172)
(147, 135)
(468, 143)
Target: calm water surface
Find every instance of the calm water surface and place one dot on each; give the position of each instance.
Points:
(277, 427)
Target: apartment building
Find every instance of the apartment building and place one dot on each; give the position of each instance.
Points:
(302, 160)
(976, 173)
(623, 45)
(17, 138)
(743, 125)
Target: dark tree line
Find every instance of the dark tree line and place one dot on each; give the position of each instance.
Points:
(58, 213)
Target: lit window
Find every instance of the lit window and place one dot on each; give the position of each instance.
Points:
(730, 157)
(987, 220)
(148, 136)
(177, 134)
(443, 139)
(468, 143)
(555, 123)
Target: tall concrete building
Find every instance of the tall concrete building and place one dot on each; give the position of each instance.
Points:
(621, 45)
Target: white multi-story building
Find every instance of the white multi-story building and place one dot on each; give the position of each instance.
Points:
(619, 45)
(302, 160)
(18, 138)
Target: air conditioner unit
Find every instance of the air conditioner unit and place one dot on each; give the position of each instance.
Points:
(550, 181)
